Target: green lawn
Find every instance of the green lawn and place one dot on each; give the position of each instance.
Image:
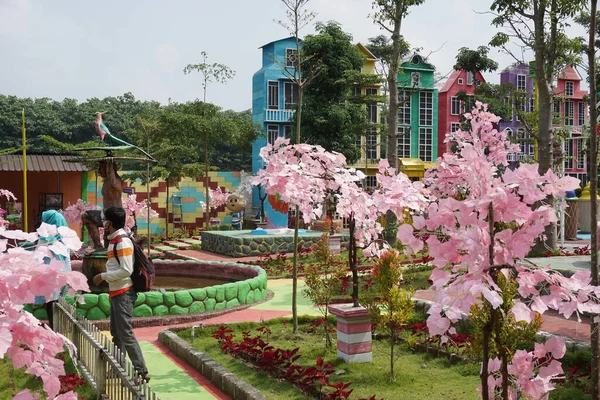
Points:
(13, 381)
(418, 376)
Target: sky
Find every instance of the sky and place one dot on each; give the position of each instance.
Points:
(80, 49)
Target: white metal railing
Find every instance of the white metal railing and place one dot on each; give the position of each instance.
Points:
(105, 367)
(278, 115)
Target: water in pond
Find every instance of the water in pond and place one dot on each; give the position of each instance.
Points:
(184, 282)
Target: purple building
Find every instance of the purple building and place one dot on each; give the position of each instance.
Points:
(516, 75)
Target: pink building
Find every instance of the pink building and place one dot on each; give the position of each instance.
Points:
(450, 107)
(571, 113)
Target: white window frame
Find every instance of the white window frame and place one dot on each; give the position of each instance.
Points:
(454, 126)
(581, 161)
(569, 153)
(371, 182)
(294, 60)
(270, 104)
(581, 113)
(404, 107)
(426, 109)
(426, 144)
(287, 87)
(460, 81)
(569, 112)
(521, 85)
(272, 133)
(454, 105)
(509, 136)
(371, 145)
(403, 141)
(569, 88)
(470, 78)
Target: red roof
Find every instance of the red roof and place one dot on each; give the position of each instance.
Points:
(450, 81)
(569, 74)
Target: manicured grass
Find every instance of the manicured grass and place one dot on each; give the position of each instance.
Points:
(12, 381)
(418, 376)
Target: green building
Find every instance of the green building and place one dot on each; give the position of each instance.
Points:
(418, 111)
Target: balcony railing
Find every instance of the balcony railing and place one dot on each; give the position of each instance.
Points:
(108, 370)
(278, 115)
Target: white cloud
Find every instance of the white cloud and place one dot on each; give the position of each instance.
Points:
(14, 16)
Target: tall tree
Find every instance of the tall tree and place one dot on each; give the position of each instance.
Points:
(210, 72)
(475, 60)
(329, 120)
(539, 25)
(389, 15)
(297, 18)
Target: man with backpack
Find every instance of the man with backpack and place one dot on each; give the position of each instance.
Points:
(119, 268)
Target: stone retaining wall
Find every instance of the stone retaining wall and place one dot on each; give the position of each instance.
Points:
(250, 288)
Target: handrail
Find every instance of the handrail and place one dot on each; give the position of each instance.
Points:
(104, 366)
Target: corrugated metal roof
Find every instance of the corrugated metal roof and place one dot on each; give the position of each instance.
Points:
(40, 163)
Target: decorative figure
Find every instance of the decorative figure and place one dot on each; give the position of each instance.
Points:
(101, 129)
(236, 204)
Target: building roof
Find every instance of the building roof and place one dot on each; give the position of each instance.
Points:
(450, 81)
(569, 74)
(363, 48)
(278, 40)
(40, 163)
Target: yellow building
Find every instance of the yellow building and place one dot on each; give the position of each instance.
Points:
(370, 142)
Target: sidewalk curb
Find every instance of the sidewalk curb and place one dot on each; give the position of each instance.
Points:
(223, 379)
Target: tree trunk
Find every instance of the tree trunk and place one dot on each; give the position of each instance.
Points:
(296, 226)
(595, 335)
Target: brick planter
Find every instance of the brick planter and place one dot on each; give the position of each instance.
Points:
(353, 333)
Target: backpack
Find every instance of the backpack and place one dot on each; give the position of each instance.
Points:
(143, 268)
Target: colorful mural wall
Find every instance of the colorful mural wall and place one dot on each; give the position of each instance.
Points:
(184, 208)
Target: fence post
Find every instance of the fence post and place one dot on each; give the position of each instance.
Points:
(100, 373)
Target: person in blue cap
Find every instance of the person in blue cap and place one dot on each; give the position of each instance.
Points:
(53, 217)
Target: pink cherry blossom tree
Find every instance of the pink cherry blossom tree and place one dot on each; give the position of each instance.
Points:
(481, 224)
(24, 275)
(73, 212)
(136, 209)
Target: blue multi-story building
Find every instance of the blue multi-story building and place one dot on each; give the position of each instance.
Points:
(274, 97)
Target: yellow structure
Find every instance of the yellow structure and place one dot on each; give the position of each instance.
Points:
(414, 168)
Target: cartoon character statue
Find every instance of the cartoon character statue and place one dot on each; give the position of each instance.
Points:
(236, 204)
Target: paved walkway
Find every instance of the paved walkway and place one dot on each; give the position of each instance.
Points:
(174, 379)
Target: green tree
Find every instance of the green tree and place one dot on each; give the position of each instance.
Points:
(210, 72)
(475, 60)
(539, 25)
(389, 15)
(328, 118)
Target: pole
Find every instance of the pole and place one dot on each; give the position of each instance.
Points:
(148, 194)
(25, 206)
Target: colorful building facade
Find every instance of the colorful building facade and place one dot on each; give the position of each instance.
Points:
(450, 107)
(518, 77)
(417, 114)
(571, 115)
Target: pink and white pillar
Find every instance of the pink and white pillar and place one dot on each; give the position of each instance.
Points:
(354, 340)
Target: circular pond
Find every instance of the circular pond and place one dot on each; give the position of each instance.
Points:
(193, 287)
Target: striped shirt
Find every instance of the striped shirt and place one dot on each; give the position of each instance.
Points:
(118, 273)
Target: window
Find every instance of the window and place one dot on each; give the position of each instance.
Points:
(531, 104)
(568, 153)
(524, 139)
(454, 126)
(371, 182)
(291, 59)
(520, 82)
(426, 108)
(569, 112)
(287, 131)
(580, 153)
(469, 78)
(371, 91)
(403, 142)
(273, 95)
(404, 107)
(372, 145)
(509, 136)
(356, 91)
(454, 105)
(272, 133)
(290, 95)
(580, 113)
(569, 88)
(426, 144)
(557, 108)
(416, 79)
(372, 112)
(460, 81)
